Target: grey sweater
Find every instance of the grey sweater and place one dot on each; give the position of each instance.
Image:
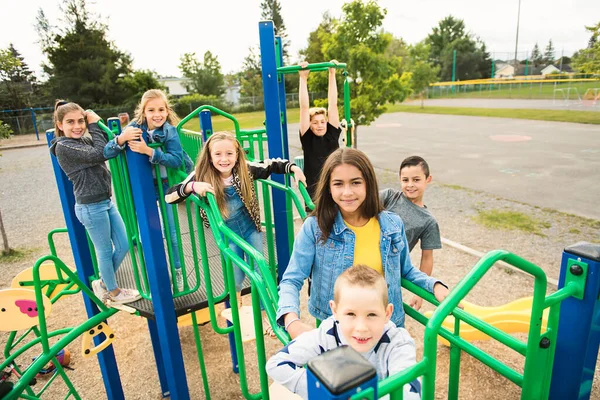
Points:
(394, 352)
(84, 163)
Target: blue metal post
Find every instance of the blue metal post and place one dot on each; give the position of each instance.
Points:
(85, 269)
(578, 327)
(158, 358)
(205, 125)
(282, 102)
(275, 138)
(142, 187)
(37, 134)
(234, 363)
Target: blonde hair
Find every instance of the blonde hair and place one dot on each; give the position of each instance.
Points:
(317, 111)
(62, 108)
(206, 171)
(139, 116)
(361, 276)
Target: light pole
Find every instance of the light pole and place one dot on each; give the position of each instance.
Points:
(517, 39)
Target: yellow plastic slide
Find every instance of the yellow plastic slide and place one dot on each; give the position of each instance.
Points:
(511, 318)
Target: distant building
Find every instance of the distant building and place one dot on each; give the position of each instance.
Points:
(232, 94)
(550, 69)
(504, 71)
(175, 86)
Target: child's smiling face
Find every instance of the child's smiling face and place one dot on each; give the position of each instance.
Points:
(73, 124)
(223, 156)
(362, 316)
(156, 113)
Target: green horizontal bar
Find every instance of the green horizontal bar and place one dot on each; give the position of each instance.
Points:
(560, 295)
(290, 69)
(479, 354)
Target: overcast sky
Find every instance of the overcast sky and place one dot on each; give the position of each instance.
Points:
(158, 33)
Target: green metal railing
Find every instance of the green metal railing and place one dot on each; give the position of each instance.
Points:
(538, 350)
(41, 334)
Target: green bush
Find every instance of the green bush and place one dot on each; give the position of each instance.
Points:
(189, 103)
(5, 130)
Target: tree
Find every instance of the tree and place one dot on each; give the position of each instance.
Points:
(203, 77)
(549, 53)
(316, 39)
(136, 84)
(271, 10)
(472, 59)
(83, 65)
(588, 60)
(251, 75)
(358, 40)
(422, 71)
(536, 56)
(16, 80)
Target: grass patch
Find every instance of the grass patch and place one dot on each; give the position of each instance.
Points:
(575, 231)
(511, 220)
(14, 255)
(581, 117)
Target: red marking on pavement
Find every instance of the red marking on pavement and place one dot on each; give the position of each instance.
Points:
(510, 138)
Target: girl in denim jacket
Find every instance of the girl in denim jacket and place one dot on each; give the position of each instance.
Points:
(224, 171)
(155, 117)
(347, 227)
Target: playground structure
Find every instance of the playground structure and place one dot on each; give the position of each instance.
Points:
(509, 318)
(571, 341)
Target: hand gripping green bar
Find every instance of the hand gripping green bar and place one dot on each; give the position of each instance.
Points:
(324, 66)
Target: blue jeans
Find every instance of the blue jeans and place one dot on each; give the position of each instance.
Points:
(105, 227)
(170, 225)
(244, 227)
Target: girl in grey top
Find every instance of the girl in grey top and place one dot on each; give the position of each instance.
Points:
(82, 160)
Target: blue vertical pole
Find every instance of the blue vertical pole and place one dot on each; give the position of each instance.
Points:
(37, 134)
(275, 138)
(158, 358)
(282, 101)
(579, 325)
(205, 125)
(144, 200)
(85, 269)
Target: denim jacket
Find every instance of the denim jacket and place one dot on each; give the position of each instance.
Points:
(328, 260)
(173, 155)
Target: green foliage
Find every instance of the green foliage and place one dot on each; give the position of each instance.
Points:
(189, 103)
(536, 56)
(472, 59)
(422, 71)
(588, 60)
(271, 10)
(203, 77)
(83, 65)
(251, 75)
(5, 130)
(549, 53)
(358, 40)
(138, 83)
(17, 82)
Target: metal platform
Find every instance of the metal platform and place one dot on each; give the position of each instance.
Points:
(196, 300)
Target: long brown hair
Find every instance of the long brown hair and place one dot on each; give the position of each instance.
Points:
(206, 171)
(326, 209)
(139, 116)
(62, 108)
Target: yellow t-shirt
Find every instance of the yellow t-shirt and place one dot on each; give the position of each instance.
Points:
(367, 247)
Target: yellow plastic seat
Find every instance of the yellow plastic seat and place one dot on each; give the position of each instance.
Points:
(18, 309)
(47, 273)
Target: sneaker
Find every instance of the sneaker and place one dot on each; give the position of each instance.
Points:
(125, 296)
(179, 280)
(99, 290)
